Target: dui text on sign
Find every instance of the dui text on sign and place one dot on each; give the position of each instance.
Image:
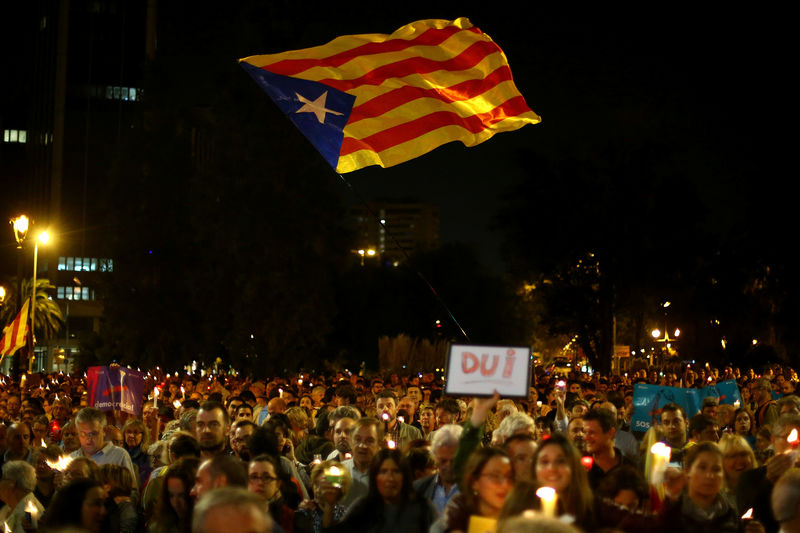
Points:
(480, 370)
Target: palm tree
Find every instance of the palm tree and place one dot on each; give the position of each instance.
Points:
(48, 317)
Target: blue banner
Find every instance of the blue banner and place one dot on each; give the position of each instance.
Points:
(649, 399)
(115, 388)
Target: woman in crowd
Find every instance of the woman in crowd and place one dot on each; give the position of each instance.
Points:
(135, 441)
(173, 513)
(701, 506)
(743, 425)
(737, 458)
(391, 503)
(81, 468)
(45, 475)
(488, 479)
(120, 505)
(69, 437)
(81, 504)
(266, 479)
(558, 465)
(324, 510)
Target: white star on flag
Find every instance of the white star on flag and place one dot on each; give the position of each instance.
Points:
(317, 106)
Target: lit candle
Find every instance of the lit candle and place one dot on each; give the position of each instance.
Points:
(176, 404)
(391, 444)
(155, 397)
(661, 454)
(792, 440)
(748, 515)
(183, 392)
(60, 465)
(736, 404)
(548, 497)
(8, 529)
(385, 417)
(587, 462)
(348, 455)
(334, 476)
(280, 393)
(34, 513)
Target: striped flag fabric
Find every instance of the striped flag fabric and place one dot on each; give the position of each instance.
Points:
(379, 99)
(16, 333)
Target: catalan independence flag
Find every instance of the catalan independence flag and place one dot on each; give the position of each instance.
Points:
(380, 99)
(16, 333)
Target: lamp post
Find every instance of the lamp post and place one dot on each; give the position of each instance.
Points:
(43, 238)
(20, 225)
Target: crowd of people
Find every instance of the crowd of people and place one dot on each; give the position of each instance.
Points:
(393, 452)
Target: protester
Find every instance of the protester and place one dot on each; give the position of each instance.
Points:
(173, 512)
(265, 478)
(81, 504)
(328, 489)
(230, 510)
(16, 491)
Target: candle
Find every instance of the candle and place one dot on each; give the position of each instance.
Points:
(661, 454)
(736, 404)
(348, 455)
(183, 392)
(792, 440)
(280, 393)
(34, 513)
(155, 397)
(548, 497)
(176, 404)
(587, 462)
(748, 515)
(391, 444)
(385, 417)
(334, 476)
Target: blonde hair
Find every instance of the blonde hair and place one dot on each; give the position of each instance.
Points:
(732, 443)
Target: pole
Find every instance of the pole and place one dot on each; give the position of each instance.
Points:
(33, 306)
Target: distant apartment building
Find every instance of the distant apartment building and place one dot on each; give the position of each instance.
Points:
(392, 227)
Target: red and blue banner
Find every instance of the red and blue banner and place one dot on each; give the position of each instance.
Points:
(115, 388)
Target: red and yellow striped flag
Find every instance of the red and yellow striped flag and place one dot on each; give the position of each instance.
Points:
(16, 333)
(385, 99)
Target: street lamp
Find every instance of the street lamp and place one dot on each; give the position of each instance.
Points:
(20, 229)
(43, 238)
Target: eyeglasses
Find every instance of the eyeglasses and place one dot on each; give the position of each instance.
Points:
(266, 478)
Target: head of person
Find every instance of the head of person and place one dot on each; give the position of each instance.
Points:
(427, 418)
(520, 448)
(231, 510)
(673, 423)
(265, 477)
(279, 424)
(276, 406)
(69, 437)
(117, 480)
(625, 486)
(709, 407)
(737, 458)
(408, 405)
(241, 432)
(181, 444)
(761, 390)
(233, 405)
(341, 434)
(390, 478)
(80, 503)
(488, 479)
(386, 405)
(705, 473)
(447, 411)
(91, 424)
(19, 479)
(601, 429)
(544, 427)
(514, 424)
(366, 439)
(701, 428)
(135, 435)
(41, 456)
(786, 500)
(781, 430)
(743, 422)
(40, 428)
(219, 471)
(443, 448)
(323, 488)
(244, 412)
(18, 438)
(576, 431)
(113, 435)
(212, 425)
(82, 468)
(557, 464)
(789, 405)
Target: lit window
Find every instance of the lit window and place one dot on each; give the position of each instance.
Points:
(93, 264)
(111, 265)
(23, 136)
(133, 94)
(78, 264)
(109, 92)
(13, 137)
(60, 293)
(62, 263)
(70, 263)
(6, 136)
(86, 264)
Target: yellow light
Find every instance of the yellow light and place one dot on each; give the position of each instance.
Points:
(44, 237)
(361, 252)
(755, 341)
(20, 224)
(2, 293)
(656, 333)
(371, 252)
(677, 333)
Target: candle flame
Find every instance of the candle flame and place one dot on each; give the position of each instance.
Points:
(546, 493)
(748, 514)
(60, 465)
(176, 404)
(8, 529)
(348, 455)
(385, 416)
(30, 508)
(391, 444)
(662, 450)
(334, 471)
(43, 444)
(792, 438)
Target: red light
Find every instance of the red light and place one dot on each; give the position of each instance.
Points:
(587, 462)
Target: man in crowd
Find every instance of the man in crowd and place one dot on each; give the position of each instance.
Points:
(212, 425)
(702, 428)
(18, 440)
(766, 412)
(576, 432)
(440, 487)
(447, 412)
(520, 448)
(673, 427)
(91, 423)
(217, 472)
(241, 430)
(400, 432)
(366, 439)
(601, 428)
(343, 419)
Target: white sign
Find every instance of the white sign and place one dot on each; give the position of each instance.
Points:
(480, 370)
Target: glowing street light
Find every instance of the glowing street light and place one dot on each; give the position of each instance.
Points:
(43, 238)
(20, 224)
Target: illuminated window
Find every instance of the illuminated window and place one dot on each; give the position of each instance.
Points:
(15, 136)
(62, 263)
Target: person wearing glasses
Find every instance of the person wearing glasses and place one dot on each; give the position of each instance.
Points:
(91, 423)
(265, 479)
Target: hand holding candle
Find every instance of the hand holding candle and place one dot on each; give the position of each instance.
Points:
(661, 454)
(34, 514)
(792, 440)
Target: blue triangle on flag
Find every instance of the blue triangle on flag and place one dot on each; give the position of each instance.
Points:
(293, 95)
